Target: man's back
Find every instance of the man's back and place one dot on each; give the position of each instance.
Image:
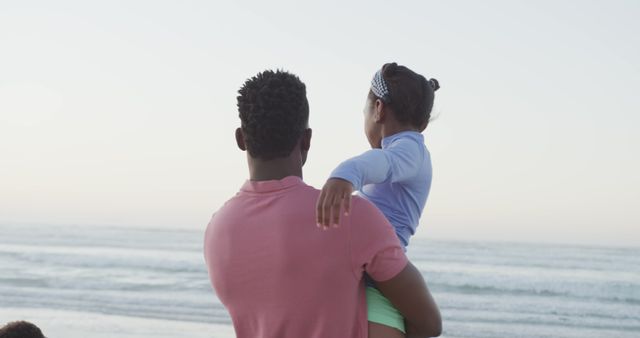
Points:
(280, 276)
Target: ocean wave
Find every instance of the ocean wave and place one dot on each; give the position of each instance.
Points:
(98, 257)
(175, 306)
(514, 291)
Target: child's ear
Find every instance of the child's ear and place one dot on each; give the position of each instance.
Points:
(240, 139)
(379, 111)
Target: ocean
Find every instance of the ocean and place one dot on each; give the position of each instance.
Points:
(87, 281)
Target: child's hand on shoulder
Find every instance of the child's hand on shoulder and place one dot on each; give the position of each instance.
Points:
(335, 195)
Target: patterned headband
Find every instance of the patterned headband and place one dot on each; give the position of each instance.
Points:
(379, 87)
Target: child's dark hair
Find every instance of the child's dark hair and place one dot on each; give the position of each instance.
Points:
(274, 113)
(20, 329)
(410, 94)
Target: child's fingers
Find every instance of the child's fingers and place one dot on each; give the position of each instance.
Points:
(347, 204)
(320, 208)
(335, 210)
(326, 209)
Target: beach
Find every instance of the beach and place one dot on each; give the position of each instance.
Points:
(84, 281)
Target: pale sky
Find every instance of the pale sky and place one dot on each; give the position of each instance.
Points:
(123, 112)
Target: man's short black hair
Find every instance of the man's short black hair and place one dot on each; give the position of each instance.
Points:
(274, 113)
(20, 329)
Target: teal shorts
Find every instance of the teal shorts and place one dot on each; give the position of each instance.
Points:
(380, 310)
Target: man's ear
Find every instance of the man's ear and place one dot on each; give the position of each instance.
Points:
(240, 139)
(379, 111)
(305, 144)
(305, 141)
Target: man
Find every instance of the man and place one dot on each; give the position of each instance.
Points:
(275, 271)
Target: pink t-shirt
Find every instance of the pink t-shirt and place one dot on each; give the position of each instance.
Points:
(279, 275)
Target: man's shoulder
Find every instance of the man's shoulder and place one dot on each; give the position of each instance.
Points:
(239, 202)
(231, 202)
(362, 203)
(364, 211)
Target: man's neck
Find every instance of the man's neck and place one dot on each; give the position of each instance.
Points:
(277, 169)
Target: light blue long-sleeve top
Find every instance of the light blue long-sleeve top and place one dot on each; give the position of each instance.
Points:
(396, 178)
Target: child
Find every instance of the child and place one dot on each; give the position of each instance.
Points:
(395, 174)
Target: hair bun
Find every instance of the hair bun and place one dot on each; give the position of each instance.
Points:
(434, 84)
(390, 69)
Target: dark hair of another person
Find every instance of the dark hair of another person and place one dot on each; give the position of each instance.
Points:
(274, 112)
(410, 94)
(20, 329)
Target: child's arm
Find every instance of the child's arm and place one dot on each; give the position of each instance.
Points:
(397, 163)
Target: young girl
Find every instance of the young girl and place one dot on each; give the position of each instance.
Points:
(395, 174)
